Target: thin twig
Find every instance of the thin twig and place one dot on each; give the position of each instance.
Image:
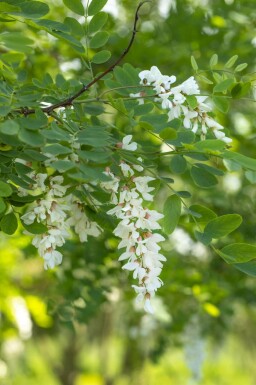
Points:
(69, 101)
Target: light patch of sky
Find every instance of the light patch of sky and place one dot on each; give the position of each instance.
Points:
(165, 6)
(241, 123)
(231, 183)
(113, 8)
(71, 65)
(22, 317)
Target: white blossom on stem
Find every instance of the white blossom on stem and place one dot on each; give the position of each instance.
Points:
(136, 230)
(176, 101)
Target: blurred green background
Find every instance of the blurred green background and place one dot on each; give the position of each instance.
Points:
(78, 325)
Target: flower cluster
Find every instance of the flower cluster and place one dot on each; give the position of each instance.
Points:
(58, 213)
(178, 101)
(51, 212)
(137, 226)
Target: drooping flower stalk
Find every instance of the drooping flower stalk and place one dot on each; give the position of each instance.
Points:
(136, 227)
(58, 213)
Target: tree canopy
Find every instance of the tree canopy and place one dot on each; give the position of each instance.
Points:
(127, 188)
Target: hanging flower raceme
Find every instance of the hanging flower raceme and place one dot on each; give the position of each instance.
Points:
(183, 101)
(50, 211)
(58, 213)
(137, 226)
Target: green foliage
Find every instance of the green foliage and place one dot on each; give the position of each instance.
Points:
(172, 211)
(223, 225)
(197, 176)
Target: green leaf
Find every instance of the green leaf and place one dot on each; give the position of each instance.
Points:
(9, 224)
(35, 155)
(8, 8)
(143, 109)
(217, 77)
(214, 60)
(183, 194)
(123, 77)
(57, 149)
(231, 165)
(223, 225)
(52, 25)
(238, 253)
(192, 101)
(194, 63)
(172, 211)
(9, 127)
(16, 41)
(231, 61)
(92, 173)
(32, 138)
(251, 176)
(32, 9)
(205, 79)
(221, 103)
(203, 238)
(210, 145)
(244, 161)
(95, 136)
(70, 39)
(210, 169)
(183, 137)
(97, 22)
(101, 57)
(5, 189)
(202, 178)
(95, 156)
(75, 6)
(99, 39)
(35, 228)
(178, 164)
(240, 90)
(168, 134)
(205, 213)
(223, 86)
(2, 205)
(13, 57)
(95, 6)
(247, 268)
(74, 26)
(63, 165)
(241, 67)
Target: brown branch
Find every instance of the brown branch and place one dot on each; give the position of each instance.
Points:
(69, 101)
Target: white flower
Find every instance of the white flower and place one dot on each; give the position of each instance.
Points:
(56, 186)
(220, 135)
(138, 167)
(40, 179)
(127, 145)
(52, 258)
(188, 116)
(82, 225)
(29, 217)
(141, 183)
(135, 231)
(126, 169)
(203, 107)
(174, 113)
(190, 86)
(154, 77)
(166, 103)
(147, 306)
